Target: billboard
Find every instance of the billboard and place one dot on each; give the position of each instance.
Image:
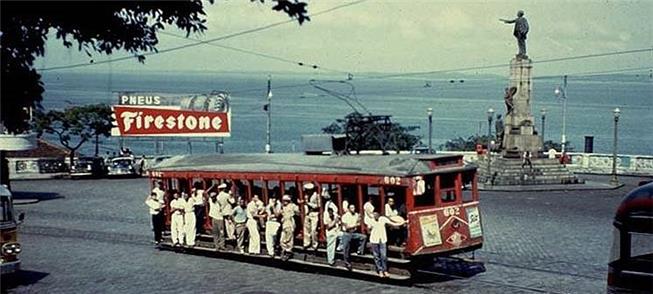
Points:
(172, 115)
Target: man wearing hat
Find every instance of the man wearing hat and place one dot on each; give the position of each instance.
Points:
(225, 212)
(177, 220)
(273, 210)
(217, 221)
(312, 216)
(288, 212)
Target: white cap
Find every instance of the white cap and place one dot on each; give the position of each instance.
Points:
(286, 198)
(222, 186)
(309, 186)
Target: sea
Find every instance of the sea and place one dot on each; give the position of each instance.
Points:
(459, 102)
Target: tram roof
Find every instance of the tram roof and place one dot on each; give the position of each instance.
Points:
(391, 165)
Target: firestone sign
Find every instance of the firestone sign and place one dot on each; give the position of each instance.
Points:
(157, 115)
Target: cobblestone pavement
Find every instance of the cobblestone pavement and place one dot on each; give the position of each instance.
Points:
(91, 236)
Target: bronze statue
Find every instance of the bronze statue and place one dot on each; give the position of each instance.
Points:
(498, 129)
(520, 31)
(508, 98)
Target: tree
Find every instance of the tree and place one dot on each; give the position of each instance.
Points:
(85, 122)
(373, 132)
(96, 26)
(466, 144)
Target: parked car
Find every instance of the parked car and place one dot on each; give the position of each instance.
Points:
(122, 166)
(92, 167)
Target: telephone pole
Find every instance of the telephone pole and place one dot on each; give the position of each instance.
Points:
(268, 109)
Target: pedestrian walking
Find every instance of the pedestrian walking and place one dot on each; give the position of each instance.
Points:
(526, 159)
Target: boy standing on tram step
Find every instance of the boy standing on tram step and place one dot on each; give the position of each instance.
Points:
(378, 239)
(288, 212)
(156, 211)
(177, 219)
(312, 217)
(240, 220)
(273, 211)
(332, 223)
(217, 221)
(351, 222)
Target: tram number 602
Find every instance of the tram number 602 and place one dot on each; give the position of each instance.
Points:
(451, 210)
(391, 180)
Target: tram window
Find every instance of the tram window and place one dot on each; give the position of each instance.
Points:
(349, 196)
(241, 189)
(257, 189)
(290, 188)
(448, 195)
(182, 185)
(273, 189)
(448, 181)
(468, 190)
(428, 197)
(398, 194)
(197, 183)
(373, 193)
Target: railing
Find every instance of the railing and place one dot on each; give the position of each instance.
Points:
(592, 163)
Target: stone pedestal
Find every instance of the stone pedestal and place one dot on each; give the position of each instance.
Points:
(519, 127)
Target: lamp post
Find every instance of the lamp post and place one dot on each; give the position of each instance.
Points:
(268, 109)
(543, 113)
(490, 142)
(562, 92)
(614, 181)
(429, 111)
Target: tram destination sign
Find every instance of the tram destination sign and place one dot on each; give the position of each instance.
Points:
(172, 115)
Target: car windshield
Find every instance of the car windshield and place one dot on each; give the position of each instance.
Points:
(7, 213)
(122, 163)
(83, 161)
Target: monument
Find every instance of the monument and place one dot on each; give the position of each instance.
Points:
(521, 160)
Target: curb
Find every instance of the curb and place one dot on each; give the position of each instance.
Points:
(588, 186)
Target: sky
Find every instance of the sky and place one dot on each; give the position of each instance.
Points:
(399, 36)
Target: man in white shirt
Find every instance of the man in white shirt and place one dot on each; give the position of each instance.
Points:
(332, 224)
(312, 216)
(378, 240)
(189, 219)
(217, 221)
(155, 205)
(226, 201)
(254, 213)
(351, 222)
(368, 210)
(288, 212)
(177, 219)
(273, 211)
(329, 203)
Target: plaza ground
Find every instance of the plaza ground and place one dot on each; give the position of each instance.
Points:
(94, 236)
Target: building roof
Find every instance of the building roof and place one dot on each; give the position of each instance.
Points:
(390, 165)
(43, 149)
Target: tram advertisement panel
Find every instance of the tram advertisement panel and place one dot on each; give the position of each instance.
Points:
(153, 114)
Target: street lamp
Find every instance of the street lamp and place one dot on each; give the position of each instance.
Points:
(614, 181)
(490, 117)
(429, 111)
(543, 113)
(562, 92)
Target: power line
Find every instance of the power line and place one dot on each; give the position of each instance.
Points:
(229, 36)
(507, 64)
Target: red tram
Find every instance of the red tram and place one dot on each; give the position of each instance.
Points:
(438, 195)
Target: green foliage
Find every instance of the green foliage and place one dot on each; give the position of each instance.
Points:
(74, 126)
(95, 26)
(373, 136)
(469, 144)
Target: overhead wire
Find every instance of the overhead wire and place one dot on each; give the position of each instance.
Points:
(228, 36)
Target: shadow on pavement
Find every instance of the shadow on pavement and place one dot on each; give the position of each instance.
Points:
(21, 278)
(40, 196)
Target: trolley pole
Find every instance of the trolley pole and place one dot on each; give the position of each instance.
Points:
(490, 117)
(268, 108)
(614, 181)
(563, 92)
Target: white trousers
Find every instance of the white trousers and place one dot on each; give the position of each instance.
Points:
(230, 227)
(310, 230)
(271, 229)
(189, 228)
(177, 228)
(254, 237)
